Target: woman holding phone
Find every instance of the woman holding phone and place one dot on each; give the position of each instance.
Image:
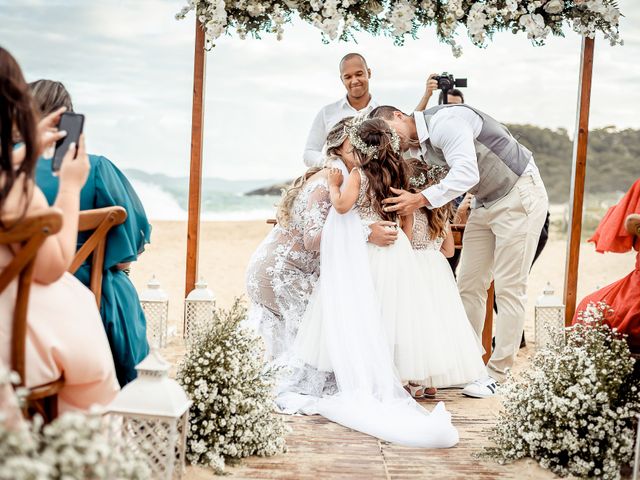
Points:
(122, 315)
(64, 334)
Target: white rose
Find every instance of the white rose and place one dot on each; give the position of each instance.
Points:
(554, 7)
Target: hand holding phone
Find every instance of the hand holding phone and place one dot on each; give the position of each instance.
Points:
(72, 123)
(75, 167)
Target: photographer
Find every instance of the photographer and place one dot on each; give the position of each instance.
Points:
(453, 95)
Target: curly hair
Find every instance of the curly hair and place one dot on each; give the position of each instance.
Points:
(17, 123)
(289, 195)
(438, 217)
(384, 170)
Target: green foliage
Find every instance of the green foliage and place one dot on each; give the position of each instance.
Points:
(613, 158)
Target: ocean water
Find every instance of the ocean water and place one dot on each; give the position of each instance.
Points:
(162, 202)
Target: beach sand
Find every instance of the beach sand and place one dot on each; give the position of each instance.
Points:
(225, 250)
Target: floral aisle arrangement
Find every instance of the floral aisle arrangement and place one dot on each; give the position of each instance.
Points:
(72, 447)
(398, 18)
(573, 410)
(225, 375)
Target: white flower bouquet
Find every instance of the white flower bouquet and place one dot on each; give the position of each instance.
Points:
(574, 409)
(226, 377)
(339, 19)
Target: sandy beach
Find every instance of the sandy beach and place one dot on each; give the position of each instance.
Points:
(226, 247)
(225, 250)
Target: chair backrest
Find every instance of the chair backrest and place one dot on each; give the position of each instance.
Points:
(100, 221)
(458, 232)
(29, 232)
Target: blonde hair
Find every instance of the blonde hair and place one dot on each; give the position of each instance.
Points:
(438, 218)
(289, 195)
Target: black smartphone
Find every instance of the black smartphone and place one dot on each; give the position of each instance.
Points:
(72, 123)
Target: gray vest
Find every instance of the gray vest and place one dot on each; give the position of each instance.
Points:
(501, 159)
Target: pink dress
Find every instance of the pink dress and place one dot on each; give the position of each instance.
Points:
(64, 336)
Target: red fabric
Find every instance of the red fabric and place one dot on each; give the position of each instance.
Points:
(623, 297)
(611, 236)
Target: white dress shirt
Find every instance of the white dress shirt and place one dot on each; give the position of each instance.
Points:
(453, 130)
(326, 118)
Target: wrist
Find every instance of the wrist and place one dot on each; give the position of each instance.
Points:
(422, 200)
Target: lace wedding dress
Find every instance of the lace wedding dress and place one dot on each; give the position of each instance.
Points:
(280, 277)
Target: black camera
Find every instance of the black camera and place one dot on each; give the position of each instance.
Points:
(446, 82)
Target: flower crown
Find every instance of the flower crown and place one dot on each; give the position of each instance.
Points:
(369, 151)
(434, 174)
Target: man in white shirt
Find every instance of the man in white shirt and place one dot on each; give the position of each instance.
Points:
(504, 226)
(355, 75)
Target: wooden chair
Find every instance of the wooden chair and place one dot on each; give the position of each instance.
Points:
(100, 221)
(29, 232)
(487, 332)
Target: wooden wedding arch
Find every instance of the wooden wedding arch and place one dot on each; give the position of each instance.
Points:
(578, 170)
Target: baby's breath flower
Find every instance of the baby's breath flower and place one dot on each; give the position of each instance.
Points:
(573, 410)
(225, 374)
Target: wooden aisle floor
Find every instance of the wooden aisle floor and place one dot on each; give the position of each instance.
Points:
(319, 449)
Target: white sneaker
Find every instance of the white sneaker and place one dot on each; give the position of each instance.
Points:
(483, 388)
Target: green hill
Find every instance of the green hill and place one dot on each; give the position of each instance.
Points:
(613, 158)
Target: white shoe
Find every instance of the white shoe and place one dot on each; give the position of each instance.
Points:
(483, 388)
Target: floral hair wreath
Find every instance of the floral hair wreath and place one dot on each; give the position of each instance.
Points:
(434, 174)
(369, 151)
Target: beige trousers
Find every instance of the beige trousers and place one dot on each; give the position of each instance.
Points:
(498, 244)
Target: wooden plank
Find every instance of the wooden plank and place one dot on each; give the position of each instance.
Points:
(195, 171)
(578, 172)
(318, 448)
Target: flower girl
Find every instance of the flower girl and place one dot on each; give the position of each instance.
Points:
(432, 241)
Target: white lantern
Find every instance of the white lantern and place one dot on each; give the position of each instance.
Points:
(198, 310)
(155, 304)
(152, 413)
(549, 316)
(636, 462)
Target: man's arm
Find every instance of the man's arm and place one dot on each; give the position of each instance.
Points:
(455, 137)
(313, 156)
(431, 86)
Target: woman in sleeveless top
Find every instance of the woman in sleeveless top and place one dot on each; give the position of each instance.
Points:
(65, 336)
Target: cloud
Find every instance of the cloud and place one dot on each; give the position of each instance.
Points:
(129, 67)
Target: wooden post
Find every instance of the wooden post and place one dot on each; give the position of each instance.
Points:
(578, 172)
(195, 171)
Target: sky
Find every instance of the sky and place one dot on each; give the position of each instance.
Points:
(129, 65)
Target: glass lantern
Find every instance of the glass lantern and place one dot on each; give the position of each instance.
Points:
(198, 310)
(549, 316)
(155, 304)
(152, 413)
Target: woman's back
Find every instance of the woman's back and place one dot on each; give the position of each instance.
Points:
(120, 308)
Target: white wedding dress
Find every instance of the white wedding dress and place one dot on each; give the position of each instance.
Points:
(445, 305)
(343, 331)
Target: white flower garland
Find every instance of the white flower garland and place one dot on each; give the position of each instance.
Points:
(339, 19)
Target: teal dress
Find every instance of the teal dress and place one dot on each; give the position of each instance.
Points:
(120, 308)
